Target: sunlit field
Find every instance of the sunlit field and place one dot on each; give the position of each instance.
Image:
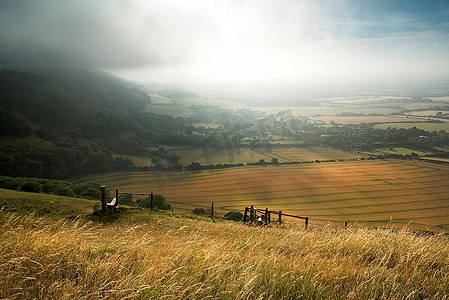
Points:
(182, 258)
(372, 192)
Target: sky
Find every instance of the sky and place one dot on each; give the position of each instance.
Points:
(252, 44)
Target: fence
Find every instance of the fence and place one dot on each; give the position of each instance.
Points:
(266, 217)
(114, 204)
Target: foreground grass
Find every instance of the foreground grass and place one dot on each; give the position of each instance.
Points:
(173, 258)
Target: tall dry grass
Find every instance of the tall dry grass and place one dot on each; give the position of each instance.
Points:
(182, 258)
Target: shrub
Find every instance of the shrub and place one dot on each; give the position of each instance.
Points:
(31, 187)
(158, 202)
(12, 184)
(91, 193)
(64, 191)
(81, 188)
(199, 211)
(233, 216)
(126, 200)
(96, 207)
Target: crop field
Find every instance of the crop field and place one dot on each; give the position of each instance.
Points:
(245, 155)
(364, 99)
(365, 119)
(302, 154)
(207, 156)
(420, 125)
(157, 99)
(372, 192)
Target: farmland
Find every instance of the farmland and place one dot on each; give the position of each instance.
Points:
(372, 192)
(420, 125)
(247, 155)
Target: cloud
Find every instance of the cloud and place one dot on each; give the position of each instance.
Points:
(101, 33)
(230, 42)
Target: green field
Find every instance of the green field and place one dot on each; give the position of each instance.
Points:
(245, 155)
(207, 156)
(420, 125)
(372, 192)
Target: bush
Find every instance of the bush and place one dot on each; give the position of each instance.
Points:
(96, 207)
(31, 187)
(158, 202)
(81, 188)
(12, 184)
(64, 191)
(199, 211)
(233, 216)
(126, 200)
(91, 193)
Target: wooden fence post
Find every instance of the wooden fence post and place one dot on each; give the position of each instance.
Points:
(266, 216)
(116, 197)
(212, 211)
(307, 222)
(269, 216)
(245, 216)
(103, 198)
(280, 216)
(151, 201)
(252, 213)
(346, 224)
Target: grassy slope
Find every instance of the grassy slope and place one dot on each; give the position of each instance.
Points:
(43, 204)
(161, 256)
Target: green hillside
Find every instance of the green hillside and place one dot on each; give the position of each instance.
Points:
(63, 123)
(56, 98)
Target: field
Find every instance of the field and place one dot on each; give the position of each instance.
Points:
(420, 125)
(372, 192)
(302, 154)
(366, 119)
(168, 257)
(245, 155)
(215, 156)
(157, 99)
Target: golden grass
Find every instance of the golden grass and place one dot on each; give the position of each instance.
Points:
(374, 192)
(171, 258)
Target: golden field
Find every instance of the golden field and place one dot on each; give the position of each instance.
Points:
(165, 257)
(373, 192)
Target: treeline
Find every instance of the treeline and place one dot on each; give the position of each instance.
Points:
(82, 157)
(368, 138)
